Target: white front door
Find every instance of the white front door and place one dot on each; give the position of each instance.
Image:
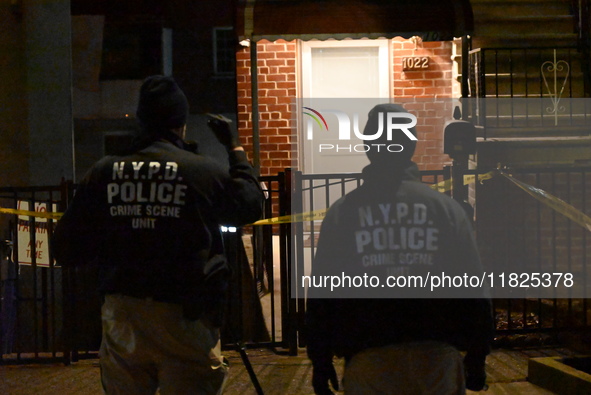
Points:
(356, 74)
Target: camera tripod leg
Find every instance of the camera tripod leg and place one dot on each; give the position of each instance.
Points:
(257, 386)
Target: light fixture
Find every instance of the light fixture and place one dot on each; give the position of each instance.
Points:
(417, 41)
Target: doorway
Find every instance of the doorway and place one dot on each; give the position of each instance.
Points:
(352, 75)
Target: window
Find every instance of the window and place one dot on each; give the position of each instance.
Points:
(224, 51)
(131, 51)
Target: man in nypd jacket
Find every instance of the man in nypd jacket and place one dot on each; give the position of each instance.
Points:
(151, 218)
(396, 337)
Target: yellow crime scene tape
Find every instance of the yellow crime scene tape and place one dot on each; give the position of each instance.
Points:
(554, 203)
(446, 185)
(284, 219)
(551, 201)
(442, 186)
(38, 214)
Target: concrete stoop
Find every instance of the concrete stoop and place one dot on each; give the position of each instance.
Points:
(561, 375)
(534, 151)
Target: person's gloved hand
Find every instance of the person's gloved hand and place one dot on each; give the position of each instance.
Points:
(475, 373)
(323, 374)
(220, 126)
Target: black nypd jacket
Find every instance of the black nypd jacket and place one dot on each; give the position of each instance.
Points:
(152, 220)
(394, 225)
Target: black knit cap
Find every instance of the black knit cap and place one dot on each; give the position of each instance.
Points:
(398, 137)
(162, 104)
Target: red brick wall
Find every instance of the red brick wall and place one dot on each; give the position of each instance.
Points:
(277, 89)
(278, 86)
(425, 86)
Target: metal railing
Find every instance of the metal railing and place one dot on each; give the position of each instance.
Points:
(44, 314)
(313, 192)
(536, 91)
(583, 27)
(519, 233)
(271, 260)
(31, 299)
(513, 229)
(582, 14)
(52, 314)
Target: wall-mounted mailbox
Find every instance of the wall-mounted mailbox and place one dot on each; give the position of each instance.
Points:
(459, 139)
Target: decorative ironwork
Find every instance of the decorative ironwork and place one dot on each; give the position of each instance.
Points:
(554, 68)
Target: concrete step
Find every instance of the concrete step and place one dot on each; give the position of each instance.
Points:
(515, 18)
(561, 375)
(523, 23)
(532, 112)
(557, 24)
(533, 132)
(525, 60)
(529, 40)
(521, 72)
(536, 112)
(503, 9)
(544, 2)
(505, 86)
(518, 72)
(533, 151)
(524, 55)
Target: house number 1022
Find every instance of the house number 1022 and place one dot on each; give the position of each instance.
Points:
(415, 63)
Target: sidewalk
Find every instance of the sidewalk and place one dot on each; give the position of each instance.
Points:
(277, 374)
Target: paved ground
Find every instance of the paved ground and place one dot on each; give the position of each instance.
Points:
(278, 374)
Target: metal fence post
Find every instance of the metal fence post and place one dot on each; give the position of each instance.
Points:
(293, 185)
(67, 193)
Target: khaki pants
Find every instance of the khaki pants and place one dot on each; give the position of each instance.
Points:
(407, 368)
(149, 345)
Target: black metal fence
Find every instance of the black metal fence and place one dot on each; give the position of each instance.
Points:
(318, 191)
(582, 13)
(52, 314)
(31, 298)
(315, 192)
(49, 314)
(516, 231)
(513, 230)
(270, 257)
(529, 92)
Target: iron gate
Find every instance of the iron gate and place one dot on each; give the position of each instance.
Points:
(44, 314)
(510, 226)
(516, 230)
(31, 299)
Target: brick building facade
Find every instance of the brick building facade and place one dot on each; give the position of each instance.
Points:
(279, 83)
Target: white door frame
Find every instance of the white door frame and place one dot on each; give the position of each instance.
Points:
(305, 49)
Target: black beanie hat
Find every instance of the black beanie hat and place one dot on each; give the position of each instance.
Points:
(398, 137)
(162, 104)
